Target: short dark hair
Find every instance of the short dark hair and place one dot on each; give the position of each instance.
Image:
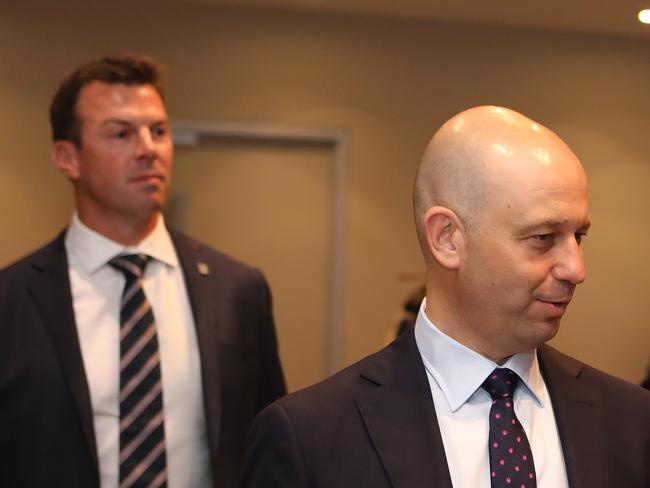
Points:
(125, 69)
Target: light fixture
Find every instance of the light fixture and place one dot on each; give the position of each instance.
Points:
(644, 16)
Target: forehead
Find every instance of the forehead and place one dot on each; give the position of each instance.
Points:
(549, 195)
(98, 100)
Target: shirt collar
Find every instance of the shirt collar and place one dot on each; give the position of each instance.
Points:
(94, 250)
(460, 371)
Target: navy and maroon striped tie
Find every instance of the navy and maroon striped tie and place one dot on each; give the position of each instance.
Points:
(142, 430)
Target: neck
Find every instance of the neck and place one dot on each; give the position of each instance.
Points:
(442, 311)
(128, 232)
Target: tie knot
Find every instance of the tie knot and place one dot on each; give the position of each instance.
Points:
(132, 265)
(501, 383)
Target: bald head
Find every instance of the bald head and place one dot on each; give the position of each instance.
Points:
(478, 155)
(501, 208)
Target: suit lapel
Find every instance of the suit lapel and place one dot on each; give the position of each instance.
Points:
(202, 295)
(578, 416)
(397, 409)
(49, 288)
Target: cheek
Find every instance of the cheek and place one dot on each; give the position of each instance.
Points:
(494, 268)
(104, 176)
(504, 283)
(166, 154)
(512, 270)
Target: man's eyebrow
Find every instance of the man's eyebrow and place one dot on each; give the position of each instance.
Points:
(552, 224)
(116, 121)
(130, 123)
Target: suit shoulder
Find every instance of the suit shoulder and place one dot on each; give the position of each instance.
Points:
(615, 387)
(335, 392)
(605, 384)
(314, 414)
(217, 260)
(22, 266)
(331, 389)
(398, 367)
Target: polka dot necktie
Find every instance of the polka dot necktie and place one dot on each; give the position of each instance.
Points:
(142, 429)
(511, 460)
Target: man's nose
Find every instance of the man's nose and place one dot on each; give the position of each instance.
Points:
(146, 143)
(570, 264)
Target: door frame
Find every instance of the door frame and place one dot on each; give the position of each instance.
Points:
(189, 133)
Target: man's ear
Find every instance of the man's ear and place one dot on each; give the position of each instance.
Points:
(65, 159)
(445, 236)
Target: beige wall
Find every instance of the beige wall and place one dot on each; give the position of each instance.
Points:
(389, 84)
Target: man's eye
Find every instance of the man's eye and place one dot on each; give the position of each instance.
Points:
(580, 236)
(121, 134)
(543, 237)
(158, 131)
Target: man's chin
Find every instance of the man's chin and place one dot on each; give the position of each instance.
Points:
(545, 331)
(154, 201)
(145, 211)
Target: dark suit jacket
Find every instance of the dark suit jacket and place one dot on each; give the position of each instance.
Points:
(373, 425)
(46, 424)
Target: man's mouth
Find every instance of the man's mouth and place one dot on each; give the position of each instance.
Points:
(555, 306)
(149, 178)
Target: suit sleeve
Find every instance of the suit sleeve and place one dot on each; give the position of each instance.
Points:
(272, 385)
(274, 458)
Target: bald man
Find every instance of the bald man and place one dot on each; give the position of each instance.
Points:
(472, 397)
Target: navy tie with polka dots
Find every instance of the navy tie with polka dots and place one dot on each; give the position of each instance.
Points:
(511, 460)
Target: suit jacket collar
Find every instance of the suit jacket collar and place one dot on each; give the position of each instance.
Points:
(397, 409)
(396, 406)
(577, 415)
(201, 286)
(49, 287)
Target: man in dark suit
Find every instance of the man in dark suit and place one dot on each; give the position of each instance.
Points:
(471, 397)
(130, 354)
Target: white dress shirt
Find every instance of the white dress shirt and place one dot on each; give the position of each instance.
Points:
(96, 293)
(455, 375)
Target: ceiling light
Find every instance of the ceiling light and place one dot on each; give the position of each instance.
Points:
(644, 16)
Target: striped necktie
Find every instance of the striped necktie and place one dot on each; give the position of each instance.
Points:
(142, 431)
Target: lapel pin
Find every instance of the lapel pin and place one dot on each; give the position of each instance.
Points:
(203, 268)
